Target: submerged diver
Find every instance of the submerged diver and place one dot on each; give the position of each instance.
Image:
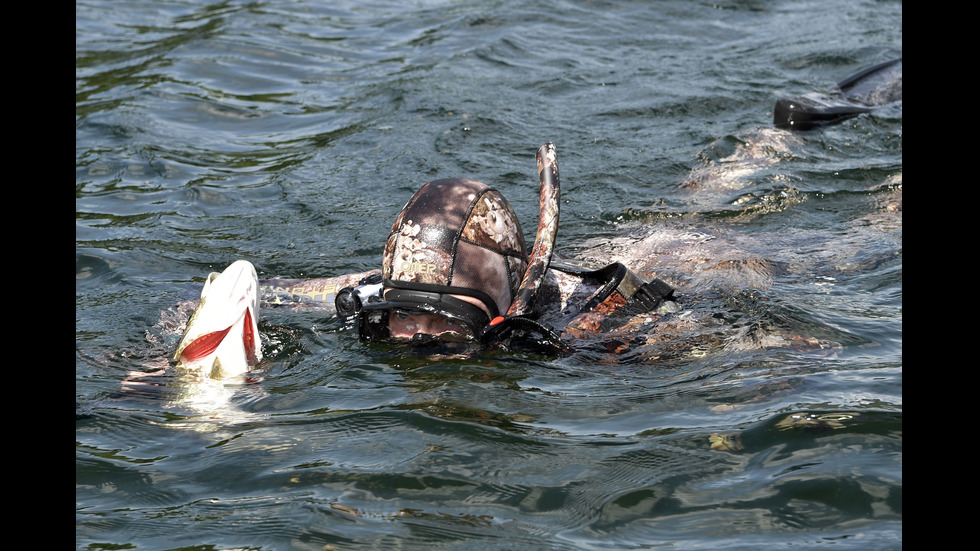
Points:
(456, 275)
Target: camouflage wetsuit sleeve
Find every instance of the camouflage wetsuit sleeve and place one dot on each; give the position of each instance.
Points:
(318, 293)
(594, 301)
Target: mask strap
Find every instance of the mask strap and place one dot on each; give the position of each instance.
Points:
(445, 289)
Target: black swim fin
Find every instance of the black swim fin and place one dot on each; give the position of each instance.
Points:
(859, 93)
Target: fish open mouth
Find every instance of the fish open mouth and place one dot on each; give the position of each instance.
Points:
(208, 344)
(222, 337)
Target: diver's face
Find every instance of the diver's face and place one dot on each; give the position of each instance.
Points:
(403, 325)
(406, 325)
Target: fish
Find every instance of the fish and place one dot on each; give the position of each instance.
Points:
(222, 337)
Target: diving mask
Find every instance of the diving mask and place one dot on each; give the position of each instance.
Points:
(409, 315)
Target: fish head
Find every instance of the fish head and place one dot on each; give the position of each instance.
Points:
(222, 337)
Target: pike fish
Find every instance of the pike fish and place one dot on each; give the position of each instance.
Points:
(222, 336)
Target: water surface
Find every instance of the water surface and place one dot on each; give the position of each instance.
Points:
(291, 133)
